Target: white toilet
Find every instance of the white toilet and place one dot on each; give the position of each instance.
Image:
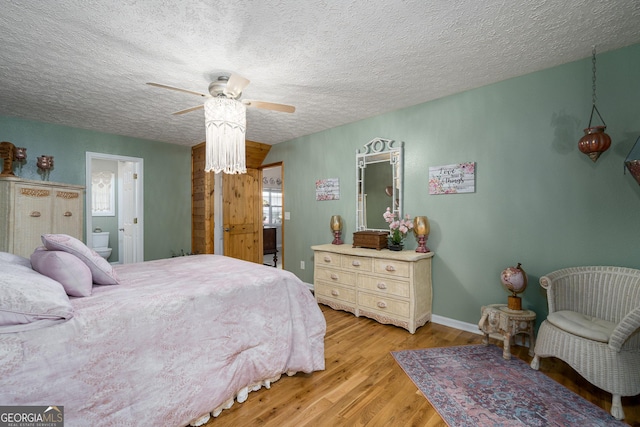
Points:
(101, 244)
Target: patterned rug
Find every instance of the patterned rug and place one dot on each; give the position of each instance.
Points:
(474, 386)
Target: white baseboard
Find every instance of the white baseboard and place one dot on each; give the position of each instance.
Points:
(457, 324)
(308, 285)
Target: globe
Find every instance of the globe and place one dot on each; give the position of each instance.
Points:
(514, 279)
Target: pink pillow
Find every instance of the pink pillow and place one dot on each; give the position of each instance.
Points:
(73, 274)
(101, 271)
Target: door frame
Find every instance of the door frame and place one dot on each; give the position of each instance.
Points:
(281, 166)
(218, 233)
(138, 255)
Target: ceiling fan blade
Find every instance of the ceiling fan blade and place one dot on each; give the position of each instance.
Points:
(188, 110)
(235, 85)
(178, 89)
(270, 106)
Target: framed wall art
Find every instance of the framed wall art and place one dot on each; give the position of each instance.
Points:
(452, 179)
(328, 189)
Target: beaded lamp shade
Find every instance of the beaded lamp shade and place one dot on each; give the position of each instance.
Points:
(225, 123)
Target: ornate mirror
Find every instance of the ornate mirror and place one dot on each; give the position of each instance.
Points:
(378, 183)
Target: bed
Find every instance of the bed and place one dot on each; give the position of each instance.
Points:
(168, 343)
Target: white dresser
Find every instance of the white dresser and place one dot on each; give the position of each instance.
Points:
(387, 286)
(29, 209)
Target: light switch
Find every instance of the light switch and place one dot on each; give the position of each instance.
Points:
(287, 215)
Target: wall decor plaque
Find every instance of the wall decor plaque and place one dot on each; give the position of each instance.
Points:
(328, 189)
(452, 179)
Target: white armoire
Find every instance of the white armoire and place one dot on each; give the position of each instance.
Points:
(29, 209)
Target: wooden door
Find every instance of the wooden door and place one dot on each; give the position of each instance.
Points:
(242, 215)
(130, 215)
(205, 214)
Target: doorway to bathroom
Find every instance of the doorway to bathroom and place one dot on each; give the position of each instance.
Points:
(114, 205)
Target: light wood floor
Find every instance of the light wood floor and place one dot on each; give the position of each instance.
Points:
(362, 384)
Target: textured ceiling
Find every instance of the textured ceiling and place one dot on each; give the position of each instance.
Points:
(84, 63)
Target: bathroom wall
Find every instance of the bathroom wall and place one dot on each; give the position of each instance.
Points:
(108, 223)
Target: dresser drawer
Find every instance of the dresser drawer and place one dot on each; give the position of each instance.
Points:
(357, 263)
(327, 258)
(329, 290)
(332, 275)
(389, 287)
(385, 285)
(388, 266)
(383, 304)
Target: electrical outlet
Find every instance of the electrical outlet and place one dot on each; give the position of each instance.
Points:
(301, 265)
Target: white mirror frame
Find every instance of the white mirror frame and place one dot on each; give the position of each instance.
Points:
(378, 150)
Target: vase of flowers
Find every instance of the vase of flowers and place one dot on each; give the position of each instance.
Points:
(399, 227)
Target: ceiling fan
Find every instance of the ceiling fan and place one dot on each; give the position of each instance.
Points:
(229, 87)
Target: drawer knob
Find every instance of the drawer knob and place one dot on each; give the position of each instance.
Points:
(335, 293)
(355, 263)
(67, 213)
(390, 268)
(327, 259)
(334, 276)
(382, 304)
(381, 285)
(35, 214)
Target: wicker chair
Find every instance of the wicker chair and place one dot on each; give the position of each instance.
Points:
(594, 326)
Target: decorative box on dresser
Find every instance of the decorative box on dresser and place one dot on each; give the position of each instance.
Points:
(387, 286)
(31, 208)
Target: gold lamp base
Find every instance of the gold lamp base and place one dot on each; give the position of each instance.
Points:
(514, 303)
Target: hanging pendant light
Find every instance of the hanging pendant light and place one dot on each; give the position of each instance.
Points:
(595, 141)
(225, 127)
(632, 162)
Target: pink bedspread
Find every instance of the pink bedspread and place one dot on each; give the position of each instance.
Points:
(176, 340)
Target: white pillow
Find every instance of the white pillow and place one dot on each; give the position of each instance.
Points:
(14, 259)
(29, 300)
(70, 271)
(101, 271)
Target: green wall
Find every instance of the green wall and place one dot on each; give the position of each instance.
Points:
(538, 199)
(167, 174)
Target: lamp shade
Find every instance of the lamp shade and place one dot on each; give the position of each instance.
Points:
(225, 126)
(632, 162)
(336, 223)
(336, 226)
(421, 226)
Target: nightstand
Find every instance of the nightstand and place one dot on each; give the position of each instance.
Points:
(498, 318)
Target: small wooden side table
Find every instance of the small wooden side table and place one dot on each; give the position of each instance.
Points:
(498, 318)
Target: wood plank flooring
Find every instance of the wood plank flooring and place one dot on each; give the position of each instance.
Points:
(362, 384)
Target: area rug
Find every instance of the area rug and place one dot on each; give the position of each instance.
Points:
(474, 386)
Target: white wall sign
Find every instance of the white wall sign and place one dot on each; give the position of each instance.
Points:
(452, 179)
(328, 189)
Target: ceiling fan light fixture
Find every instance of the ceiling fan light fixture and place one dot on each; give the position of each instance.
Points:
(225, 128)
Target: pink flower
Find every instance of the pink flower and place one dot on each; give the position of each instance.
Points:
(399, 227)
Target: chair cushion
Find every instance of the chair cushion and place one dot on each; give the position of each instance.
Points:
(581, 325)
